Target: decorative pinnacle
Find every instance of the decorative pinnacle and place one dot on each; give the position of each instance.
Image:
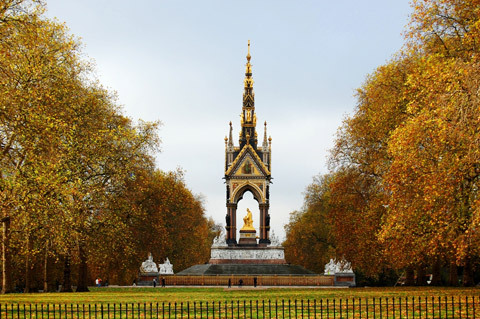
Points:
(265, 144)
(230, 139)
(248, 71)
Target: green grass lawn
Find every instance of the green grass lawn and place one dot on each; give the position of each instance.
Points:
(173, 294)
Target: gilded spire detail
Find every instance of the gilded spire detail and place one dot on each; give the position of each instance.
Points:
(248, 118)
(248, 82)
(249, 66)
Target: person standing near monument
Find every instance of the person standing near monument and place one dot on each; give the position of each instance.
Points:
(154, 282)
(163, 282)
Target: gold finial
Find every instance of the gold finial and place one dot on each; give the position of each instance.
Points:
(248, 71)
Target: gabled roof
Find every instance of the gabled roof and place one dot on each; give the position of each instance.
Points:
(247, 149)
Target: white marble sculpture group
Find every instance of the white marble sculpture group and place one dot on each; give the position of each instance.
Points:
(335, 267)
(149, 266)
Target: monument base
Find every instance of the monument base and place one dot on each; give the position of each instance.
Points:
(247, 238)
(253, 260)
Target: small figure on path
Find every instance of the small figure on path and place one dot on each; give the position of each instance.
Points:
(163, 281)
(229, 283)
(254, 281)
(154, 282)
(240, 283)
(97, 282)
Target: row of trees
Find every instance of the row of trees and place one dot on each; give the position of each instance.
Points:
(78, 185)
(402, 191)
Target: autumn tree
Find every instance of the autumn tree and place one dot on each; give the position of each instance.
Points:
(404, 183)
(76, 173)
(308, 238)
(166, 219)
(36, 66)
(434, 174)
(358, 163)
(66, 148)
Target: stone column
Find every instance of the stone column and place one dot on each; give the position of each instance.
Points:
(264, 226)
(262, 223)
(232, 229)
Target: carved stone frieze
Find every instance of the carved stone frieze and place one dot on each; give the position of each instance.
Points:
(259, 253)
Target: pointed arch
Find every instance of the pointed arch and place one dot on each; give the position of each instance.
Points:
(240, 191)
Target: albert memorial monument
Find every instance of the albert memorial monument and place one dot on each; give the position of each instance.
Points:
(247, 169)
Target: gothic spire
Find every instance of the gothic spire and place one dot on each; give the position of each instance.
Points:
(248, 95)
(248, 117)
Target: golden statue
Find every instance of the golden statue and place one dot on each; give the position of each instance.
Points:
(249, 116)
(248, 221)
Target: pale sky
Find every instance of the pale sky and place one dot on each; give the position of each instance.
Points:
(183, 62)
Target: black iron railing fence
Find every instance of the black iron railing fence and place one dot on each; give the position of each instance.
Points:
(415, 307)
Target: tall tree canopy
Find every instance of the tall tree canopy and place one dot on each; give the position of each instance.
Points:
(404, 169)
(70, 159)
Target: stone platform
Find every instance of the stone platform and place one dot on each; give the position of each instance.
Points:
(245, 269)
(246, 260)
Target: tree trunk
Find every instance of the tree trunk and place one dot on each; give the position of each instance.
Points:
(82, 284)
(436, 274)
(28, 271)
(6, 260)
(409, 276)
(453, 275)
(67, 281)
(45, 269)
(421, 276)
(467, 278)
